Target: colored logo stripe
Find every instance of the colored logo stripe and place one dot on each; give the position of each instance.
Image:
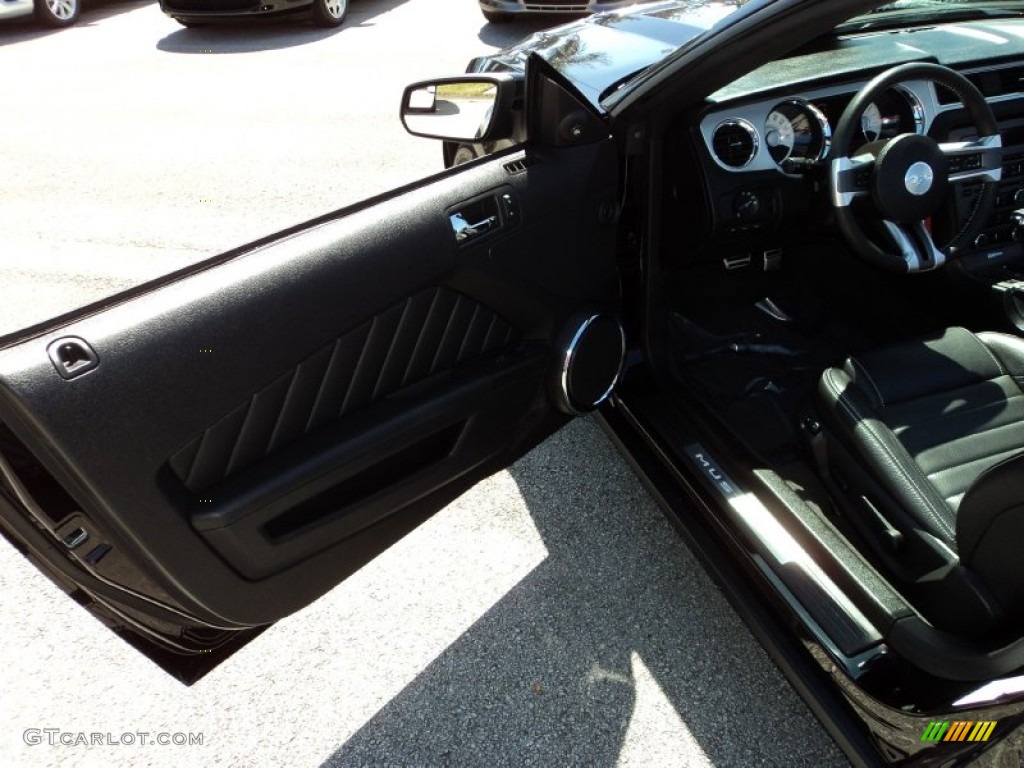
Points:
(935, 731)
(982, 730)
(959, 730)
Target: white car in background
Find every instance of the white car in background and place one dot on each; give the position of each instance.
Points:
(52, 13)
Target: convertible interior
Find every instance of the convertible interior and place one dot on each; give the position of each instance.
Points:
(835, 284)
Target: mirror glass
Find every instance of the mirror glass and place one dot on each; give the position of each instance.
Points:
(459, 111)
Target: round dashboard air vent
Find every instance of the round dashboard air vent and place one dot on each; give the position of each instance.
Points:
(734, 143)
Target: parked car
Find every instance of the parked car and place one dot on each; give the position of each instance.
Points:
(499, 11)
(782, 264)
(196, 13)
(52, 13)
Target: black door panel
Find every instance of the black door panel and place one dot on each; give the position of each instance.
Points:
(364, 468)
(255, 431)
(427, 335)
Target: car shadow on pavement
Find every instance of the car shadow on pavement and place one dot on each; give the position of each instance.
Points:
(248, 37)
(615, 649)
(93, 11)
(268, 34)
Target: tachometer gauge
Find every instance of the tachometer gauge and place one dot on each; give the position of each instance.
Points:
(797, 135)
(778, 135)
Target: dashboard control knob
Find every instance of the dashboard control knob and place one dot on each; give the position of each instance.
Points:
(1018, 196)
(746, 205)
(982, 240)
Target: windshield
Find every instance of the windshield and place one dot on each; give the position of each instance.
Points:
(890, 15)
(930, 11)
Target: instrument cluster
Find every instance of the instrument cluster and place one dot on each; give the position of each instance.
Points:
(794, 134)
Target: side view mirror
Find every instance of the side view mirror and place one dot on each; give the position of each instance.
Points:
(467, 108)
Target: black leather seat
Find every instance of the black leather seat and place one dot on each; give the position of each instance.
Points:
(923, 444)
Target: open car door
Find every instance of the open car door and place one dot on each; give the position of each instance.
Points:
(209, 453)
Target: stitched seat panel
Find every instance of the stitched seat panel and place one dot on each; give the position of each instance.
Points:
(963, 431)
(895, 468)
(971, 448)
(927, 422)
(955, 436)
(954, 481)
(929, 417)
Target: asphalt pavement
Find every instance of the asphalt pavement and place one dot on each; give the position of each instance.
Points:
(550, 616)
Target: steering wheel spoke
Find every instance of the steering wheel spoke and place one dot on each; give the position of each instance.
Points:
(978, 159)
(914, 243)
(851, 178)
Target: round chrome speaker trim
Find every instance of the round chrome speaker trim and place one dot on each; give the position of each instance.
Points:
(569, 355)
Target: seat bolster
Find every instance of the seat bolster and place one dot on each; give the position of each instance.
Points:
(856, 422)
(990, 529)
(1009, 350)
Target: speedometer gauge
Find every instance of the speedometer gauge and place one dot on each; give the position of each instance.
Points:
(778, 135)
(797, 135)
(897, 110)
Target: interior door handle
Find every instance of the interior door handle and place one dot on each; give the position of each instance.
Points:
(464, 230)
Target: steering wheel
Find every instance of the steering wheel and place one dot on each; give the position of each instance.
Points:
(901, 182)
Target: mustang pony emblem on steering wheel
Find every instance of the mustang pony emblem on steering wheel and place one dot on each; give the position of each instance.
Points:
(919, 178)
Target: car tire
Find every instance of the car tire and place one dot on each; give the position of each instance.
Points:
(497, 17)
(464, 153)
(329, 13)
(57, 13)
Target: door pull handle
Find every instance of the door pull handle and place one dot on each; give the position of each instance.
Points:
(465, 231)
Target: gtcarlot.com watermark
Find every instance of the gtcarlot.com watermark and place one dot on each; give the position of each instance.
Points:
(56, 737)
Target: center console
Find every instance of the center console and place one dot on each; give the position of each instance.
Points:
(996, 257)
(1000, 242)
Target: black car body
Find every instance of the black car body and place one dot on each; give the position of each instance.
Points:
(598, 51)
(756, 258)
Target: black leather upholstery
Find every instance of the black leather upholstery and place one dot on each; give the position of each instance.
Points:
(991, 528)
(930, 434)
